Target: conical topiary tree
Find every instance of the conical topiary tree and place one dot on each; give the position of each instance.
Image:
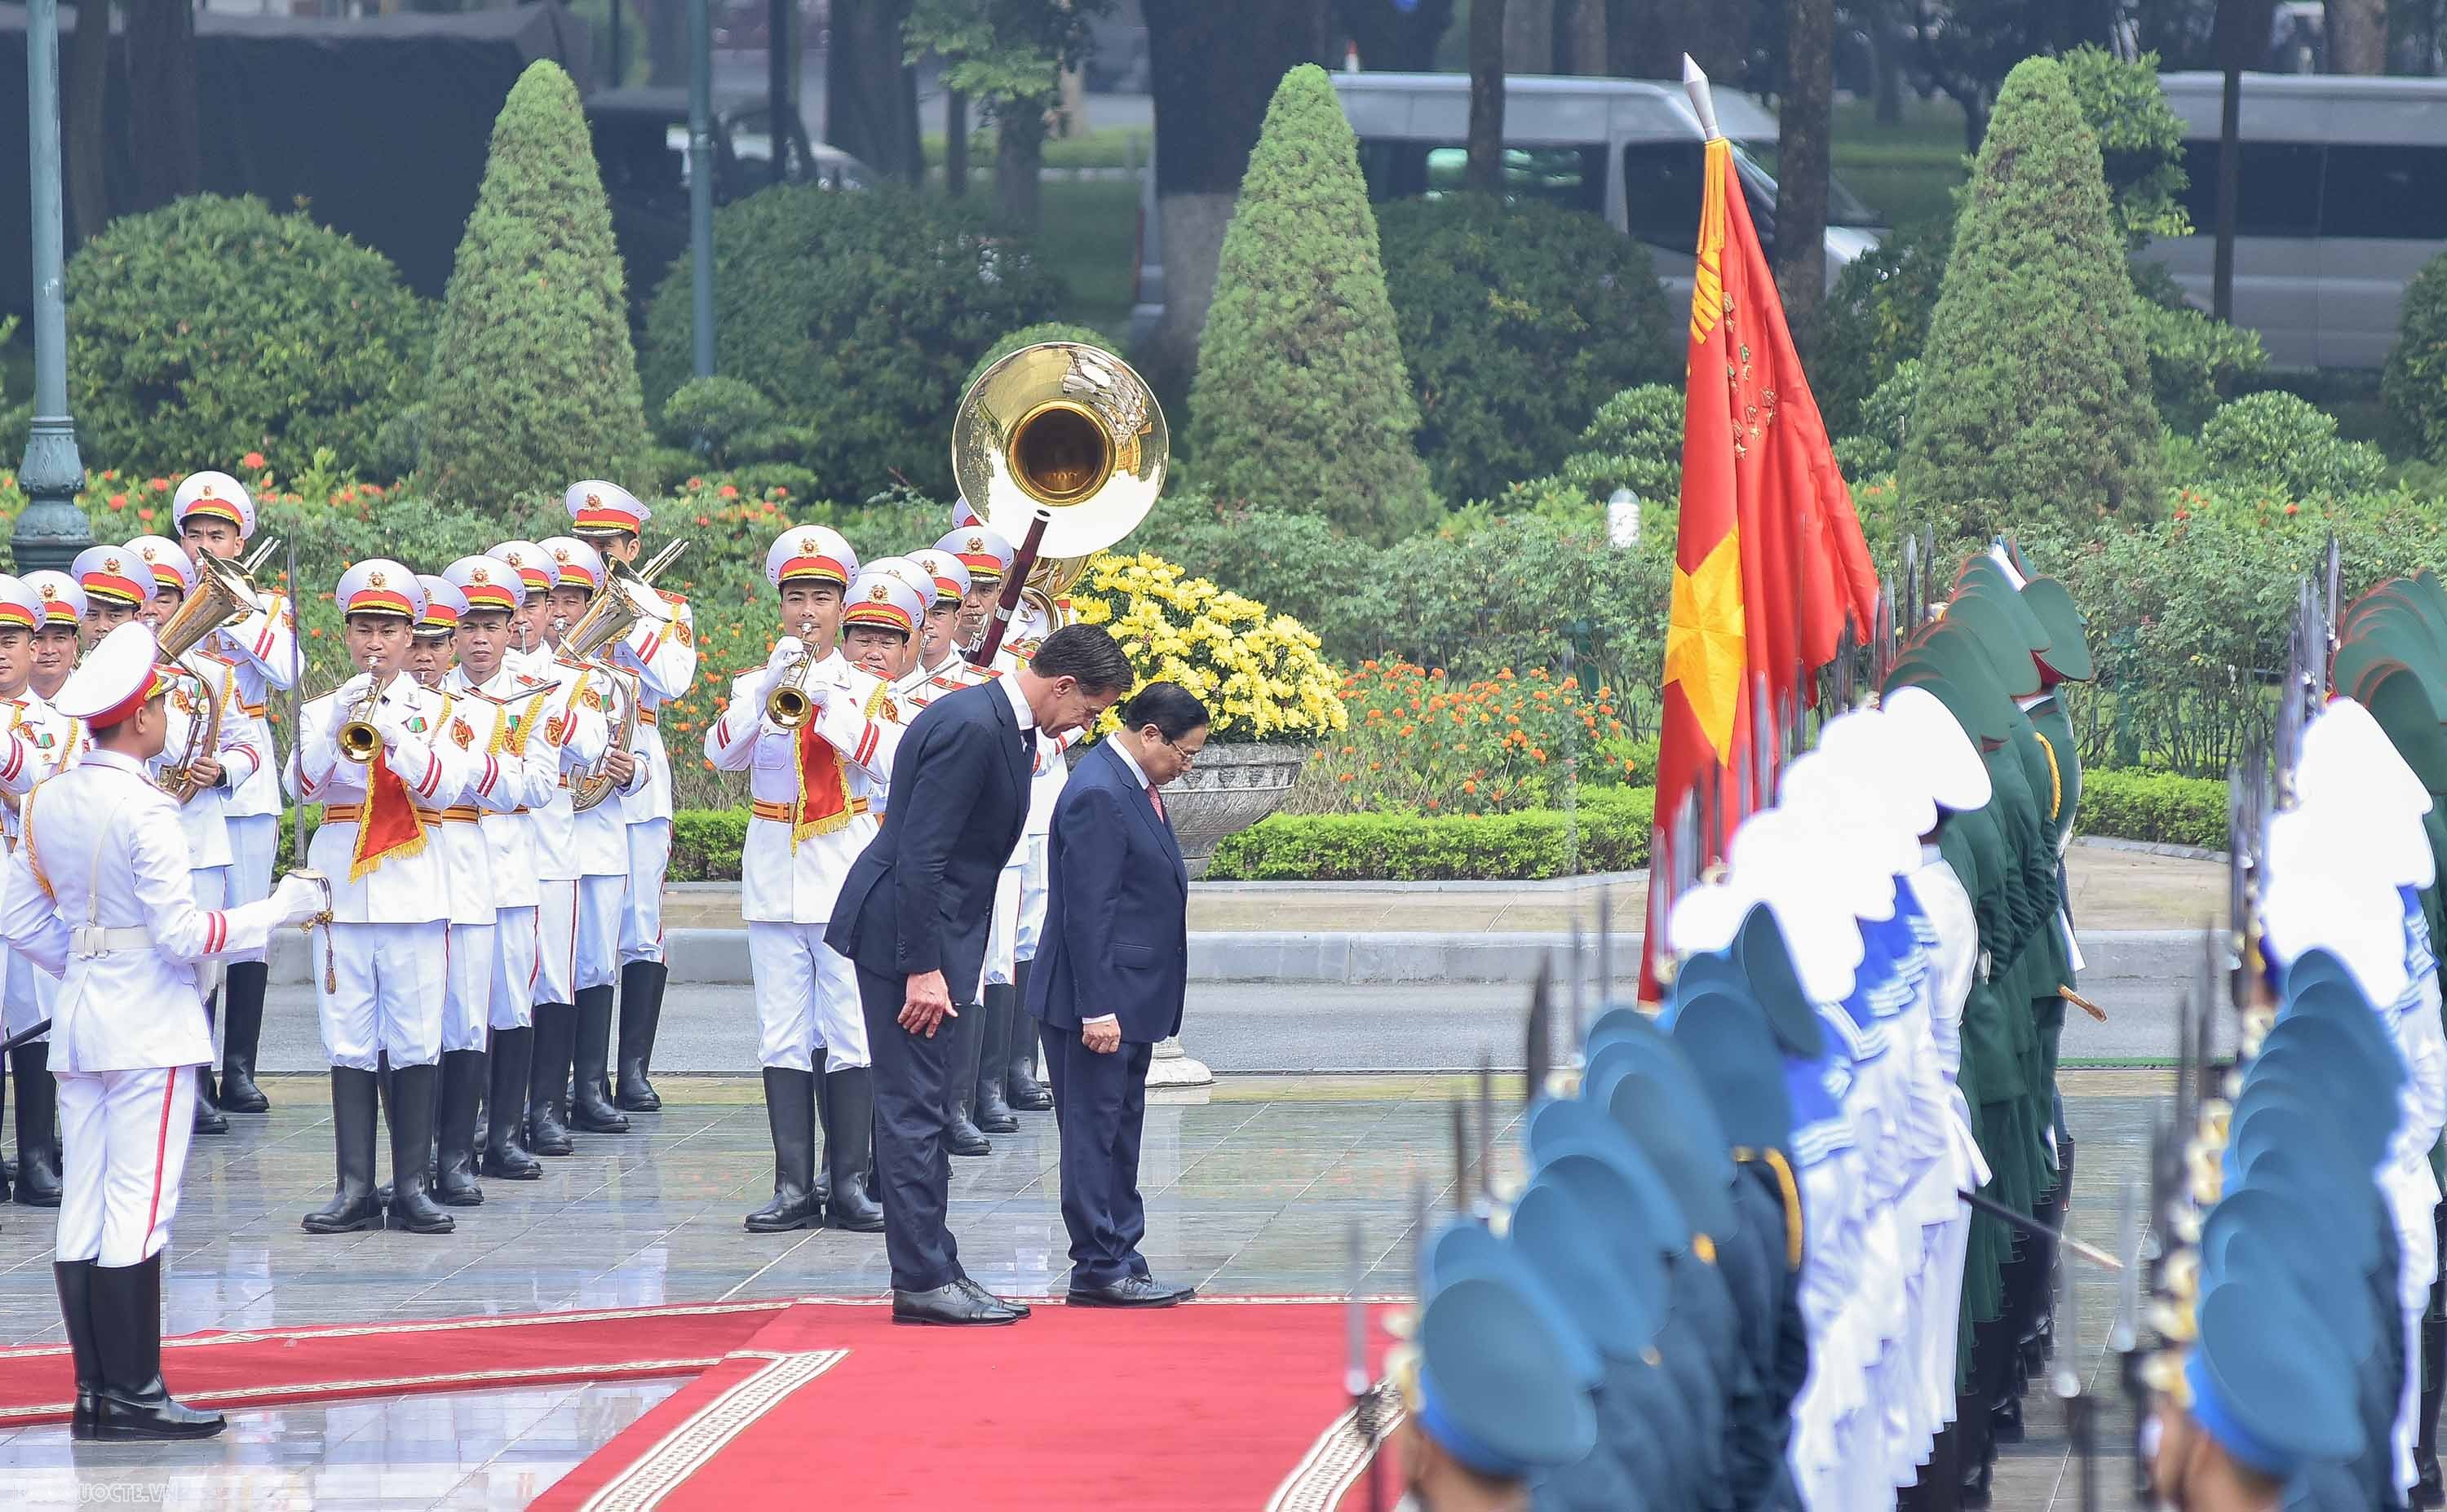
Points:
(534, 381)
(2034, 400)
(1300, 402)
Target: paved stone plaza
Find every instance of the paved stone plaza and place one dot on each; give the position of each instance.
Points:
(1251, 1190)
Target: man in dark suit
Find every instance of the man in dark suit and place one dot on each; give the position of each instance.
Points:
(1112, 969)
(913, 915)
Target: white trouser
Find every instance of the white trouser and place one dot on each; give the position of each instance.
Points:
(466, 987)
(514, 968)
(124, 1142)
(807, 998)
(596, 958)
(1003, 931)
(1033, 870)
(577, 940)
(2411, 1197)
(390, 994)
(641, 911)
(28, 996)
(253, 839)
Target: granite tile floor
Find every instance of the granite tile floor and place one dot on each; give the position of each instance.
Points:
(1252, 1189)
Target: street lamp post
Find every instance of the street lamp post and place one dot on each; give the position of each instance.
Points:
(52, 530)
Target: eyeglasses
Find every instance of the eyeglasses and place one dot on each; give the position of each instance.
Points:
(1188, 755)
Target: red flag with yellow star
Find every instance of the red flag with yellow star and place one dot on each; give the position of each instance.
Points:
(1769, 561)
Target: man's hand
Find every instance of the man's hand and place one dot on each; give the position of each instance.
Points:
(927, 1004)
(1104, 1038)
(620, 766)
(206, 771)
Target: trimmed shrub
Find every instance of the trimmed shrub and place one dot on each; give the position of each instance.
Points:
(2160, 807)
(2416, 383)
(2140, 141)
(1635, 442)
(858, 315)
(719, 419)
(2194, 359)
(212, 328)
(1031, 336)
(1294, 564)
(534, 381)
(1885, 414)
(2044, 412)
(1611, 827)
(2285, 445)
(1300, 402)
(705, 843)
(1518, 320)
(1876, 318)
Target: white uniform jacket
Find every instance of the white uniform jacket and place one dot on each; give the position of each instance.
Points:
(472, 726)
(598, 837)
(661, 655)
(573, 728)
(242, 755)
(41, 744)
(527, 743)
(408, 886)
(260, 658)
(793, 873)
(104, 848)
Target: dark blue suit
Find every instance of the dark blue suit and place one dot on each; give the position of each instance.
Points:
(1116, 941)
(918, 900)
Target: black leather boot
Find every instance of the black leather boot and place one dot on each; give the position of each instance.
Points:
(133, 1403)
(1021, 1089)
(994, 1115)
(8, 1167)
(555, 1035)
(38, 1125)
(463, 1074)
(74, 1279)
(353, 1206)
(241, 1026)
(505, 1104)
(849, 1146)
(641, 1013)
(411, 1111)
(208, 1114)
(790, 1112)
(960, 1136)
(823, 1175)
(590, 1091)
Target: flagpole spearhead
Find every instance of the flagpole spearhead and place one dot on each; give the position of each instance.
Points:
(1703, 102)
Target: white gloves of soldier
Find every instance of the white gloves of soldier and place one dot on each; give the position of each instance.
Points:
(302, 899)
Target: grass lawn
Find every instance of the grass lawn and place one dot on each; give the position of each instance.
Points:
(1089, 235)
(1907, 171)
(1104, 148)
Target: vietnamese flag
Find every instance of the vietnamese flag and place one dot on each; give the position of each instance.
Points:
(1769, 561)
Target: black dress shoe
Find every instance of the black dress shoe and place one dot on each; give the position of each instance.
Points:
(952, 1306)
(1130, 1291)
(984, 1296)
(961, 1137)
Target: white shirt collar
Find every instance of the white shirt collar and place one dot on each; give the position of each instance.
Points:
(1121, 749)
(1009, 683)
(99, 757)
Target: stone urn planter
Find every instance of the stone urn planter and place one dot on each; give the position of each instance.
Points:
(1231, 787)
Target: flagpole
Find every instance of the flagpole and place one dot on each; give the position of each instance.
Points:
(1694, 83)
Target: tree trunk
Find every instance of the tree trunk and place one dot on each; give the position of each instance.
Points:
(871, 91)
(1019, 153)
(1585, 33)
(667, 43)
(1646, 39)
(2357, 36)
(84, 83)
(1887, 45)
(955, 142)
(1803, 122)
(163, 137)
(1213, 70)
(1486, 171)
(1390, 40)
(1528, 36)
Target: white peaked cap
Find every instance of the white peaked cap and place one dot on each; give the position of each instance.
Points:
(1957, 779)
(2344, 751)
(1890, 770)
(1775, 859)
(1705, 918)
(1856, 840)
(2362, 924)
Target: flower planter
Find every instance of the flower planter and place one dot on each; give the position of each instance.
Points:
(1230, 788)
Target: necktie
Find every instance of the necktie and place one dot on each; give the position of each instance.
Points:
(1157, 798)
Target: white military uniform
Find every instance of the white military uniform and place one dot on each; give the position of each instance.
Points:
(42, 742)
(586, 933)
(97, 895)
(526, 745)
(1028, 628)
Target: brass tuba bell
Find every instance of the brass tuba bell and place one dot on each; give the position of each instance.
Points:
(1069, 427)
(225, 595)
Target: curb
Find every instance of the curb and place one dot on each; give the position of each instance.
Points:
(1352, 958)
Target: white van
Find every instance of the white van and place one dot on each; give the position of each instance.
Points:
(2341, 198)
(1627, 149)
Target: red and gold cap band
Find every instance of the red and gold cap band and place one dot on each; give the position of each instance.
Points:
(492, 596)
(117, 587)
(878, 612)
(815, 569)
(380, 601)
(156, 683)
(213, 507)
(12, 614)
(604, 519)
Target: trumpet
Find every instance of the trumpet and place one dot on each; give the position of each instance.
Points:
(356, 737)
(789, 705)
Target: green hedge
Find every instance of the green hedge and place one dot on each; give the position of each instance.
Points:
(2155, 806)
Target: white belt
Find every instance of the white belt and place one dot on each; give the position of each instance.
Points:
(94, 939)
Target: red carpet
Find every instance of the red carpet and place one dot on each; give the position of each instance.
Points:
(266, 1366)
(1214, 1405)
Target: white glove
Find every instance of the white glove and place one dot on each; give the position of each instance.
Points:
(391, 724)
(352, 693)
(786, 651)
(302, 899)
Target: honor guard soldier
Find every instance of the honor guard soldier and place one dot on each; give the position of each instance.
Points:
(215, 517)
(38, 743)
(875, 643)
(815, 736)
(58, 638)
(205, 759)
(599, 835)
(97, 895)
(526, 744)
(938, 642)
(116, 586)
(661, 656)
(374, 753)
(579, 737)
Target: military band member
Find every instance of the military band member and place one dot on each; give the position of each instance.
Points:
(215, 517)
(661, 655)
(1012, 1073)
(97, 895)
(38, 746)
(527, 743)
(57, 639)
(115, 587)
(939, 643)
(980, 1036)
(876, 644)
(383, 964)
(600, 838)
(530, 649)
(812, 788)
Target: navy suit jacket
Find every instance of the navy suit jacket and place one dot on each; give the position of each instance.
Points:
(1116, 936)
(918, 898)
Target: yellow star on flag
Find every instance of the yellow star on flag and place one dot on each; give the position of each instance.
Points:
(1704, 646)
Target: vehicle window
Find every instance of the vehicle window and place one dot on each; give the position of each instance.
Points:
(2385, 191)
(1844, 207)
(2277, 188)
(1571, 176)
(1661, 183)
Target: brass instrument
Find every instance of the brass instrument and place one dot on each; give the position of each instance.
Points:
(225, 595)
(627, 597)
(789, 705)
(356, 737)
(1069, 430)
